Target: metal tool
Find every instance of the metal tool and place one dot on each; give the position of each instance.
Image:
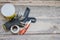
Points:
(23, 31)
(17, 21)
(9, 24)
(26, 18)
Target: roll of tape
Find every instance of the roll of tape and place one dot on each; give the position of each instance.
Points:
(15, 29)
(8, 11)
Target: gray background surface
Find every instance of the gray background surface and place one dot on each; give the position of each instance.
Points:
(48, 21)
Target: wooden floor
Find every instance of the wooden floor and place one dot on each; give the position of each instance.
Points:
(47, 26)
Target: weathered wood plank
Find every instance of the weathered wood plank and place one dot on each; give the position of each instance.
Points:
(33, 3)
(30, 37)
(49, 17)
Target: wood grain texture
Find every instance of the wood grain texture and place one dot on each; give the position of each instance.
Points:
(33, 3)
(48, 21)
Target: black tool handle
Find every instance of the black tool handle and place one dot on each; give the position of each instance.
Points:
(33, 20)
(26, 14)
